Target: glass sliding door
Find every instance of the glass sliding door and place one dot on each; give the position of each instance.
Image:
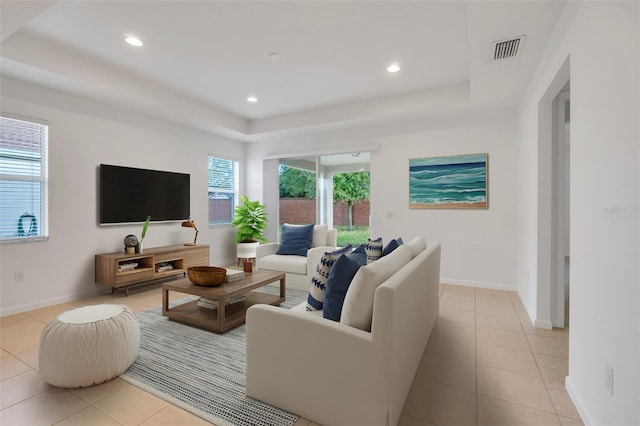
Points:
(297, 203)
(347, 176)
(330, 189)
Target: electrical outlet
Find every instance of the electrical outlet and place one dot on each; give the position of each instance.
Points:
(609, 379)
(19, 277)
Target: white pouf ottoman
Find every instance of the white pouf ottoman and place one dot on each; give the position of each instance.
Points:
(89, 345)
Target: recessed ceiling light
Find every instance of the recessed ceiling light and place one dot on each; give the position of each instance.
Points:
(274, 56)
(252, 99)
(133, 41)
(393, 67)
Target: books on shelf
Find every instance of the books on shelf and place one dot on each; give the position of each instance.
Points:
(213, 304)
(165, 266)
(233, 275)
(129, 266)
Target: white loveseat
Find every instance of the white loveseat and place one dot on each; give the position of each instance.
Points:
(335, 374)
(298, 269)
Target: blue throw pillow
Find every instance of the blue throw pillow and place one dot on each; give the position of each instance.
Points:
(296, 239)
(340, 276)
(360, 249)
(373, 248)
(315, 299)
(391, 246)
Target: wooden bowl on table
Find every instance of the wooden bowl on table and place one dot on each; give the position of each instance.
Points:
(206, 275)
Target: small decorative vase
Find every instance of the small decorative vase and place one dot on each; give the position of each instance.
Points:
(139, 247)
(247, 266)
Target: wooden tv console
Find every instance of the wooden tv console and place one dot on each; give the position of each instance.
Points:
(112, 269)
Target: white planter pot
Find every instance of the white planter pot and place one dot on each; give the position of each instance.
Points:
(247, 250)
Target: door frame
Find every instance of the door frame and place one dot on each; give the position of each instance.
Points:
(559, 209)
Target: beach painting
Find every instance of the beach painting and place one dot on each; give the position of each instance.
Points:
(452, 182)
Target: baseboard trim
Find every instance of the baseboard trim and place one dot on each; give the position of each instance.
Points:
(11, 310)
(547, 325)
(576, 401)
(479, 284)
(525, 302)
(49, 302)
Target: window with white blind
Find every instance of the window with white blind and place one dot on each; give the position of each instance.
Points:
(23, 179)
(223, 190)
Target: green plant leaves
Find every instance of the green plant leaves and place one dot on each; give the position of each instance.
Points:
(250, 218)
(144, 228)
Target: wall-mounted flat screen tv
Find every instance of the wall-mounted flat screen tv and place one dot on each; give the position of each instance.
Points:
(129, 195)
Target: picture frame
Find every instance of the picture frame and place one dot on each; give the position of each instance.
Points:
(449, 182)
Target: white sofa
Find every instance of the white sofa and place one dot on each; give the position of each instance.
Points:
(335, 374)
(298, 269)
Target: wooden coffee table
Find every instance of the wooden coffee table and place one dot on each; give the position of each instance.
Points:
(225, 317)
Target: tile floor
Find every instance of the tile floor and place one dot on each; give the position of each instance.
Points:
(484, 365)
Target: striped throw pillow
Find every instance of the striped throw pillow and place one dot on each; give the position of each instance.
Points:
(373, 249)
(315, 299)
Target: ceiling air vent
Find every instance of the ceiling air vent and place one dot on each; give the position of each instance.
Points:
(509, 48)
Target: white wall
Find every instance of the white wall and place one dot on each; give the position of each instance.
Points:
(83, 134)
(478, 246)
(599, 43)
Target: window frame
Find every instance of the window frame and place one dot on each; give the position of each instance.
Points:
(42, 179)
(235, 192)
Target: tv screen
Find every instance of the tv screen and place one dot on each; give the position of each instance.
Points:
(129, 195)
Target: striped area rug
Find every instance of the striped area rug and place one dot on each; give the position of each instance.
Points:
(200, 371)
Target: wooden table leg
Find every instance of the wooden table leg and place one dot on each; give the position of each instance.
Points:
(165, 300)
(221, 314)
(283, 287)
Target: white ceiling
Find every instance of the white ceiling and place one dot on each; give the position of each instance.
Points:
(201, 59)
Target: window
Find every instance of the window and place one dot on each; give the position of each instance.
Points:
(223, 190)
(332, 189)
(23, 180)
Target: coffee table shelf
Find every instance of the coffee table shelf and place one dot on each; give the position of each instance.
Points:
(224, 317)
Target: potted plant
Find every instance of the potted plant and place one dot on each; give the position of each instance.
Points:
(250, 218)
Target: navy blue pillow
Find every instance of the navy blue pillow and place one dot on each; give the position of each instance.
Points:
(360, 249)
(340, 276)
(391, 246)
(296, 239)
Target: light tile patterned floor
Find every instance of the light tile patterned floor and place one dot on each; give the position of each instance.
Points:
(485, 364)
